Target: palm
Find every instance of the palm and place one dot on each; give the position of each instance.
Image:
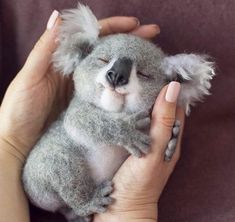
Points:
(39, 101)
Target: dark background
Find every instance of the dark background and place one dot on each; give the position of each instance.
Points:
(202, 188)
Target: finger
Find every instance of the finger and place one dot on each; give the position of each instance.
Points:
(146, 31)
(118, 24)
(39, 58)
(163, 118)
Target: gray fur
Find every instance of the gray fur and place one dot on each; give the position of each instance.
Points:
(79, 31)
(70, 168)
(196, 70)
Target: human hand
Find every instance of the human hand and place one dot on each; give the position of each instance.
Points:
(37, 94)
(139, 182)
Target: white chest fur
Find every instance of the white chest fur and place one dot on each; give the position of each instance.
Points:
(105, 160)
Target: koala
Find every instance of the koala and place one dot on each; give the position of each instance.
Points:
(116, 81)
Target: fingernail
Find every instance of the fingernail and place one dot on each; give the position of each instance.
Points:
(172, 92)
(157, 28)
(52, 19)
(137, 21)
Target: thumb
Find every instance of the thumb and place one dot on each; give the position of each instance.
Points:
(163, 118)
(39, 58)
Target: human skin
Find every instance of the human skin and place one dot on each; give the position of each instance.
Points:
(34, 99)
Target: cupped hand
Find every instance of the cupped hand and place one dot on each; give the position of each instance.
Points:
(37, 94)
(139, 182)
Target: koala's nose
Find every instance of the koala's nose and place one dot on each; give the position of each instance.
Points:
(116, 79)
(120, 72)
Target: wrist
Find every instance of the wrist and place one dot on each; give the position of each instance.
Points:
(122, 217)
(147, 214)
(9, 151)
(12, 195)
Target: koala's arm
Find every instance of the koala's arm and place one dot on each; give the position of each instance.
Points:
(91, 125)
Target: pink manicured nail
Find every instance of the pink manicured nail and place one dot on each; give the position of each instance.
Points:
(137, 21)
(157, 28)
(52, 19)
(172, 92)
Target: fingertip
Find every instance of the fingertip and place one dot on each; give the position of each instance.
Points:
(118, 24)
(137, 22)
(147, 31)
(168, 96)
(39, 58)
(172, 92)
(52, 19)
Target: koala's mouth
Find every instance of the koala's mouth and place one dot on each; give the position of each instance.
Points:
(112, 99)
(114, 90)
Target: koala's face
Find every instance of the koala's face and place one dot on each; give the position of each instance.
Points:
(121, 74)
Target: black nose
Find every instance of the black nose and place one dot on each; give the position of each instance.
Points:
(120, 72)
(116, 79)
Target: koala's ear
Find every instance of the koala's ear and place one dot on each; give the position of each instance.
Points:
(78, 33)
(194, 72)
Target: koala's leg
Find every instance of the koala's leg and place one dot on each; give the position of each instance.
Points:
(97, 202)
(76, 187)
(169, 152)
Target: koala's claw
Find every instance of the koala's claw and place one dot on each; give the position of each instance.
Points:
(140, 146)
(173, 141)
(101, 198)
(137, 142)
(141, 114)
(143, 143)
(106, 188)
(143, 123)
(134, 151)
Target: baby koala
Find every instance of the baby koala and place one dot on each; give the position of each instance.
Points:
(117, 79)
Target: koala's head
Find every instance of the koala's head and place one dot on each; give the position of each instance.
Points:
(122, 72)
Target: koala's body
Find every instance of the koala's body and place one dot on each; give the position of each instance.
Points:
(117, 79)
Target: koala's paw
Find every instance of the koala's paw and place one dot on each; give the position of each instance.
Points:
(173, 141)
(138, 142)
(140, 145)
(101, 198)
(143, 121)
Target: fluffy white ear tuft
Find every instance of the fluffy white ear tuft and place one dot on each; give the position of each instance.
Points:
(194, 72)
(80, 19)
(77, 36)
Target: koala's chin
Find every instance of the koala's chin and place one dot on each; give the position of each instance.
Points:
(112, 101)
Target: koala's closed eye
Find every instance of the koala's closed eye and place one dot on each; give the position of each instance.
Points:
(143, 75)
(104, 60)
